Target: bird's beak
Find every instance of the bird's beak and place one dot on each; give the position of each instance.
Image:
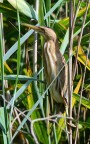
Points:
(36, 28)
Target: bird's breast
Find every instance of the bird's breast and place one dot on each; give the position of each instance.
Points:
(50, 60)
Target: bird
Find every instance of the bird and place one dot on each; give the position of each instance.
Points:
(54, 64)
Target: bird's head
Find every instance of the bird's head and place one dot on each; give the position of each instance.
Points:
(46, 32)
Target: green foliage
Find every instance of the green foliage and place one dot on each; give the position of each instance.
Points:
(26, 111)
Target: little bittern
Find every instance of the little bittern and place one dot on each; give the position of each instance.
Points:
(54, 62)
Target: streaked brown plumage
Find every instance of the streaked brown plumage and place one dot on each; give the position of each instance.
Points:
(53, 63)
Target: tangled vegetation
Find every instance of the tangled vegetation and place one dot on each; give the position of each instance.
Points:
(26, 116)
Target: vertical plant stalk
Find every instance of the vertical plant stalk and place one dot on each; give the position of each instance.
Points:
(2, 53)
(35, 60)
(35, 66)
(35, 44)
(5, 135)
(84, 71)
(79, 41)
(70, 87)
